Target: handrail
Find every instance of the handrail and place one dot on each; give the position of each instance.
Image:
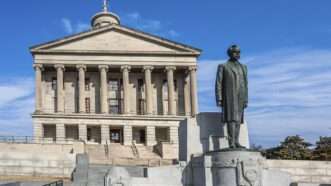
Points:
(56, 183)
(34, 140)
(135, 149)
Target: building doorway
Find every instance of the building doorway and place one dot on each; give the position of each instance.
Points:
(71, 132)
(94, 134)
(49, 132)
(116, 134)
(162, 134)
(139, 135)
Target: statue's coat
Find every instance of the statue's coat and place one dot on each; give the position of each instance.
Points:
(232, 92)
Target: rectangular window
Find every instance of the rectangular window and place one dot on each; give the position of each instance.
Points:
(87, 84)
(87, 105)
(175, 85)
(54, 82)
(140, 96)
(114, 101)
(114, 106)
(55, 103)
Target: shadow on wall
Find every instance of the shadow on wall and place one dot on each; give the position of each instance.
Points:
(206, 133)
(212, 131)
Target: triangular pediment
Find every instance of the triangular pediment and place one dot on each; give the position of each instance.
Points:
(115, 39)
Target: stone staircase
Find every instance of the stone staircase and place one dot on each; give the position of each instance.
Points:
(147, 153)
(97, 173)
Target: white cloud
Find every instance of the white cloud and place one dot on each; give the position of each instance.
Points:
(135, 20)
(16, 105)
(70, 27)
(67, 25)
(173, 33)
(134, 16)
(289, 90)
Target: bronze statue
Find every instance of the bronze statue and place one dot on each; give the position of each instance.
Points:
(232, 94)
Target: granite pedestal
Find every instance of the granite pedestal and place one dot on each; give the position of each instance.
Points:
(235, 167)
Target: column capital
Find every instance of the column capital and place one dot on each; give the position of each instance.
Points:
(81, 67)
(38, 66)
(148, 68)
(192, 68)
(106, 67)
(59, 66)
(125, 67)
(169, 68)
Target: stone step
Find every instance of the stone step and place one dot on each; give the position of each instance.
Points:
(97, 173)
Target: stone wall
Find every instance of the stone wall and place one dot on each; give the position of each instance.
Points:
(38, 160)
(318, 172)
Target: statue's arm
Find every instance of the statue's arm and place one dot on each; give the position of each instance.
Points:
(218, 85)
(246, 96)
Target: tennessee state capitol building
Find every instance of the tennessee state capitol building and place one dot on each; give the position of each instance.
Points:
(113, 84)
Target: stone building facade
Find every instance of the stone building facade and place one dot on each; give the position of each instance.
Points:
(113, 84)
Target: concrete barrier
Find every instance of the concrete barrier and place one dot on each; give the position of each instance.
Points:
(38, 160)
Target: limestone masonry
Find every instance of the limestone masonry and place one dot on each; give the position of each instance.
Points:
(114, 84)
(117, 106)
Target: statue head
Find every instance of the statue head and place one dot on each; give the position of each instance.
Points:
(234, 52)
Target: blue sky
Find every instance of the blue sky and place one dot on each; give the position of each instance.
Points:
(286, 45)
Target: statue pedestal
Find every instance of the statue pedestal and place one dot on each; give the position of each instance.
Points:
(235, 167)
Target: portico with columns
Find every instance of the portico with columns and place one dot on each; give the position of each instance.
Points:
(114, 84)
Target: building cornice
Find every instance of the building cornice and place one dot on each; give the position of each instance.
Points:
(115, 53)
(136, 33)
(110, 117)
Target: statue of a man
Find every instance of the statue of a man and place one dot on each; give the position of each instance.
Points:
(232, 94)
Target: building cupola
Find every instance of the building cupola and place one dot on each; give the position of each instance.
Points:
(105, 17)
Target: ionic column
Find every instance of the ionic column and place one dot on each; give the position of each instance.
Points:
(81, 94)
(171, 90)
(59, 88)
(38, 80)
(105, 134)
(148, 91)
(187, 93)
(127, 135)
(126, 94)
(103, 89)
(194, 91)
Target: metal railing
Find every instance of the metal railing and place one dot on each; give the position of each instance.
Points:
(32, 140)
(56, 183)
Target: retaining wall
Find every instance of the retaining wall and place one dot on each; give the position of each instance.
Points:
(318, 172)
(38, 160)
